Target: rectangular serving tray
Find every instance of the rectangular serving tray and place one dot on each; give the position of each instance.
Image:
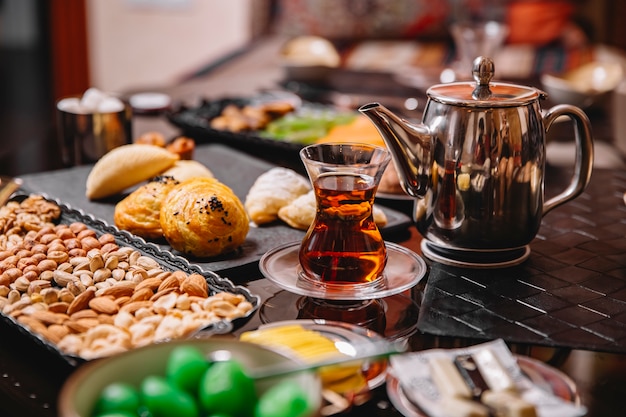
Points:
(167, 261)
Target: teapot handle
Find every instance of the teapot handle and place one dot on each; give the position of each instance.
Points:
(584, 153)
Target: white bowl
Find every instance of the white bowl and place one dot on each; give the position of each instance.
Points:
(584, 86)
(80, 392)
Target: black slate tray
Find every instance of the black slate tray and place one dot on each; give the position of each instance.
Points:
(233, 168)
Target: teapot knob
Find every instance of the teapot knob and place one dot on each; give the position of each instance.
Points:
(482, 71)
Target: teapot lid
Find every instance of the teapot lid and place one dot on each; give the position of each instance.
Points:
(484, 93)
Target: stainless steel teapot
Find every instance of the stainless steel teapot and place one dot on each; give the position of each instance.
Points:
(476, 162)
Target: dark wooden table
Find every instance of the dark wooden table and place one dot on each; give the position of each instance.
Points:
(565, 305)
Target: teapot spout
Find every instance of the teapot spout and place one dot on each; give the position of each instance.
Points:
(411, 146)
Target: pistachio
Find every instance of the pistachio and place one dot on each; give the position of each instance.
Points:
(96, 262)
(62, 278)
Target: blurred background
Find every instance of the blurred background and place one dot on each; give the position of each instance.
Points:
(56, 48)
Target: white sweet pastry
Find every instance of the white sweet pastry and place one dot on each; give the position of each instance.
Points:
(126, 166)
(300, 213)
(272, 190)
(186, 169)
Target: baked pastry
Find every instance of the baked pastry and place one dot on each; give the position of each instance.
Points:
(203, 217)
(151, 138)
(182, 146)
(300, 213)
(186, 169)
(126, 166)
(139, 212)
(389, 182)
(272, 190)
(380, 218)
(362, 130)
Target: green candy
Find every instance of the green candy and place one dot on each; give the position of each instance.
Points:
(285, 399)
(185, 367)
(118, 397)
(163, 399)
(226, 389)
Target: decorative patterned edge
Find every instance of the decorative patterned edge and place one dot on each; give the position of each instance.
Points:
(215, 282)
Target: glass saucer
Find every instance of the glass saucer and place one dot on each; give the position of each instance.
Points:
(395, 316)
(404, 270)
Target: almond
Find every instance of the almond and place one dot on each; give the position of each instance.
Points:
(104, 305)
(170, 282)
(192, 288)
(48, 335)
(32, 323)
(89, 323)
(152, 283)
(81, 325)
(120, 301)
(199, 280)
(59, 307)
(106, 319)
(56, 332)
(133, 306)
(81, 301)
(120, 289)
(84, 314)
(48, 317)
(180, 275)
(142, 294)
(162, 293)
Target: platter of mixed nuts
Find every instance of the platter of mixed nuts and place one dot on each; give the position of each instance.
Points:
(83, 289)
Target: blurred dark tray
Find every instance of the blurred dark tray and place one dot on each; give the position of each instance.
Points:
(195, 122)
(233, 168)
(570, 293)
(167, 261)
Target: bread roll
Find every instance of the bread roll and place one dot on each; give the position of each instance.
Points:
(126, 166)
(203, 217)
(139, 212)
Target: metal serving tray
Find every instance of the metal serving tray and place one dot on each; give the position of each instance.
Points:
(166, 259)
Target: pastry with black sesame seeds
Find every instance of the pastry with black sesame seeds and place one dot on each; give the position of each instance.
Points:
(202, 217)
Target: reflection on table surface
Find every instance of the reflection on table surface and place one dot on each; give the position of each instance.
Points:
(565, 305)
